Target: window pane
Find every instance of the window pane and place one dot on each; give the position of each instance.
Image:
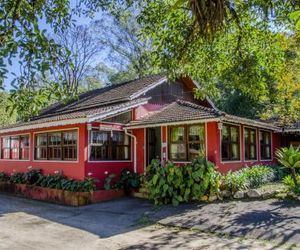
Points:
(246, 135)
(70, 138)
(196, 133)
(252, 152)
(225, 133)
(253, 136)
(195, 150)
(5, 153)
(177, 134)
(54, 139)
(234, 151)
(99, 137)
(41, 140)
(234, 134)
(178, 151)
(15, 146)
(99, 153)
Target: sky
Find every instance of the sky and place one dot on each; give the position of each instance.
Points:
(15, 67)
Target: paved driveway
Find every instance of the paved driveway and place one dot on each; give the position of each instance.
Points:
(26, 224)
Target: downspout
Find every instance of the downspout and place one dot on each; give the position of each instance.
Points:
(134, 148)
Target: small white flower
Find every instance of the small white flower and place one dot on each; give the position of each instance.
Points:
(90, 174)
(56, 172)
(106, 173)
(30, 167)
(128, 172)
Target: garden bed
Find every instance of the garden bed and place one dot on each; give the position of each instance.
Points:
(60, 196)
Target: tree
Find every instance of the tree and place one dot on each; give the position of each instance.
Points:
(6, 118)
(284, 101)
(128, 55)
(81, 49)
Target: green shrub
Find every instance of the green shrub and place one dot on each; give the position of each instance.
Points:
(4, 177)
(17, 178)
(173, 184)
(128, 180)
(234, 181)
(32, 176)
(108, 181)
(290, 159)
(249, 177)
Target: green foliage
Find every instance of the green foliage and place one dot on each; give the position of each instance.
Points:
(17, 178)
(290, 183)
(234, 182)
(250, 177)
(108, 181)
(4, 177)
(7, 118)
(34, 177)
(173, 184)
(289, 158)
(128, 180)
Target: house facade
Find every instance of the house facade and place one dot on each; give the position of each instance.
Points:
(125, 126)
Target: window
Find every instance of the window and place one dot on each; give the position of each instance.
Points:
(265, 145)
(56, 146)
(250, 144)
(230, 143)
(15, 147)
(109, 145)
(186, 142)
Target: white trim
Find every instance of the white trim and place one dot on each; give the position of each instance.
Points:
(117, 111)
(256, 143)
(12, 135)
(271, 137)
(240, 137)
(133, 138)
(56, 130)
(145, 90)
(44, 125)
(174, 123)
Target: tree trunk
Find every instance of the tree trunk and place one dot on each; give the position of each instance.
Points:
(294, 176)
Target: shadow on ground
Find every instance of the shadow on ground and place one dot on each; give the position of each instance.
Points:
(272, 220)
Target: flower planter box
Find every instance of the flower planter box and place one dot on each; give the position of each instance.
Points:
(60, 196)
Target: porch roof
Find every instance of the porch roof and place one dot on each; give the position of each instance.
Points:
(181, 112)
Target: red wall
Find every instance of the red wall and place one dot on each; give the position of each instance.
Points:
(214, 149)
(71, 169)
(140, 149)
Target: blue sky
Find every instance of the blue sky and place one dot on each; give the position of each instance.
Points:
(15, 67)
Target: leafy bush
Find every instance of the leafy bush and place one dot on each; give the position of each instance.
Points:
(290, 183)
(234, 181)
(128, 180)
(108, 181)
(173, 184)
(17, 178)
(32, 176)
(4, 177)
(250, 177)
(56, 181)
(289, 158)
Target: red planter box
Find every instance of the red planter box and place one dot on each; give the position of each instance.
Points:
(60, 196)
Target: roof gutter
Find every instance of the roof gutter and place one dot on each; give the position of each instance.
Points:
(134, 149)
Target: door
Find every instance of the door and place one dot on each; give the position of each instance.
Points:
(153, 144)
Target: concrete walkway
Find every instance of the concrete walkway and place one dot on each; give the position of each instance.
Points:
(122, 224)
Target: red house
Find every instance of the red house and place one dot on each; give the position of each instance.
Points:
(125, 126)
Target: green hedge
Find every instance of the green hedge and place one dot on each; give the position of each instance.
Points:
(35, 177)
